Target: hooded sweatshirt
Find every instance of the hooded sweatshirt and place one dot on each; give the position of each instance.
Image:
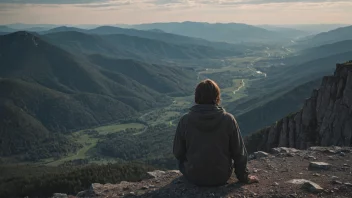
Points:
(208, 144)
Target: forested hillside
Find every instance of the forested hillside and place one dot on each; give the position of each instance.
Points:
(49, 92)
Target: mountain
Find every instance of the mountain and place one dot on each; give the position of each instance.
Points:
(154, 35)
(82, 43)
(22, 26)
(333, 36)
(314, 28)
(285, 31)
(49, 92)
(325, 118)
(124, 46)
(319, 52)
(63, 29)
(220, 32)
(6, 29)
(276, 108)
(282, 79)
(165, 80)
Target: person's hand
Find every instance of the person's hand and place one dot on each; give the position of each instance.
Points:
(252, 179)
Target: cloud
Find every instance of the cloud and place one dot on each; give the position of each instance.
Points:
(144, 11)
(51, 1)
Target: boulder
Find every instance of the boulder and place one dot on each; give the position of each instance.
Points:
(156, 173)
(312, 187)
(260, 154)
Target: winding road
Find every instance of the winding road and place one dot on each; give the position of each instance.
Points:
(240, 87)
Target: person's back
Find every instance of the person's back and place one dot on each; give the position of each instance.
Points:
(208, 142)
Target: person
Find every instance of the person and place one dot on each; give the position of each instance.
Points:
(208, 143)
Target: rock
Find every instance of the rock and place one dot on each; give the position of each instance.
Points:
(132, 193)
(156, 173)
(59, 195)
(151, 186)
(342, 154)
(316, 174)
(348, 184)
(331, 158)
(297, 181)
(312, 187)
(334, 177)
(82, 194)
(125, 188)
(336, 182)
(260, 154)
(319, 165)
(145, 187)
(276, 184)
(283, 150)
(345, 165)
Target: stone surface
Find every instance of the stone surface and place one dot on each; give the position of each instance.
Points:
(336, 182)
(278, 178)
(283, 150)
(319, 165)
(59, 195)
(260, 154)
(297, 181)
(156, 173)
(327, 113)
(312, 187)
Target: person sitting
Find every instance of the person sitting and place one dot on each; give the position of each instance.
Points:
(208, 144)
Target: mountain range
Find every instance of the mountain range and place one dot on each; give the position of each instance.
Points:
(332, 36)
(125, 46)
(231, 32)
(49, 91)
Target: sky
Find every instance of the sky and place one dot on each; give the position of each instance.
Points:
(149, 11)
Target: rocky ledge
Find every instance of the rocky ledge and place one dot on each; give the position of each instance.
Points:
(325, 118)
(285, 172)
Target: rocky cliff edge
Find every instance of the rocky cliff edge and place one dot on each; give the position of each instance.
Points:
(285, 172)
(324, 120)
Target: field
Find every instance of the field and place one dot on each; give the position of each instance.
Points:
(89, 138)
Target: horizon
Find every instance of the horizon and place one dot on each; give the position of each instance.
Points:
(123, 12)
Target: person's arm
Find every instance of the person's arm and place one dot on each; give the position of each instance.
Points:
(239, 154)
(179, 148)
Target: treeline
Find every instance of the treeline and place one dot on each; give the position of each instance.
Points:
(148, 146)
(31, 181)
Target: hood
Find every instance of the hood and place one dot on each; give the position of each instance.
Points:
(206, 117)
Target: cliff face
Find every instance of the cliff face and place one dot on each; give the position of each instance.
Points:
(325, 119)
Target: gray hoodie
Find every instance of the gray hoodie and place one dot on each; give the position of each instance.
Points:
(207, 139)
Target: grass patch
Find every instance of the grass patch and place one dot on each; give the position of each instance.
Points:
(103, 130)
(89, 141)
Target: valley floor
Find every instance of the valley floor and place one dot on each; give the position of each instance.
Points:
(234, 76)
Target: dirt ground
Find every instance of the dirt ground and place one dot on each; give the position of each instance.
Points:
(274, 172)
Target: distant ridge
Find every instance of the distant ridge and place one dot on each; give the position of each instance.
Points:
(220, 32)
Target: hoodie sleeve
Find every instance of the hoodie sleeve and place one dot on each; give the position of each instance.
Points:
(179, 148)
(238, 153)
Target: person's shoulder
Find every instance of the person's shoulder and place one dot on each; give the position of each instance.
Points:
(229, 116)
(184, 117)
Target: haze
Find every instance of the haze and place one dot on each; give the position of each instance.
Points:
(147, 11)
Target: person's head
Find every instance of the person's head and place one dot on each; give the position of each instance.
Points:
(207, 92)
